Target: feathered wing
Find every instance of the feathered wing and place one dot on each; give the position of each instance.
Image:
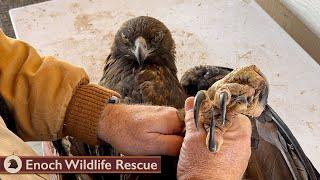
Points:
(273, 130)
(201, 78)
(276, 154)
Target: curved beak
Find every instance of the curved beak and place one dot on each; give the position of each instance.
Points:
(140, 50)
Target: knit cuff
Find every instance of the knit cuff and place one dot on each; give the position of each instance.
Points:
(84, 111)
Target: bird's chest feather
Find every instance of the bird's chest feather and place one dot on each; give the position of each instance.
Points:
(150, 84)
(148, 79)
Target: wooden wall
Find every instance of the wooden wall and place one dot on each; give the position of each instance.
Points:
(300, 18)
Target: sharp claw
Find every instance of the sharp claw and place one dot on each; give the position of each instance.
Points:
(200, 96)
(263, 97)
(212, 145)
(223, 107)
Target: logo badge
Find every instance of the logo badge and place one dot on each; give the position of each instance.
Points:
(12, 164)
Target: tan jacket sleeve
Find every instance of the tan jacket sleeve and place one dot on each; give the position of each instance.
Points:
(49, 98)
(11, 144)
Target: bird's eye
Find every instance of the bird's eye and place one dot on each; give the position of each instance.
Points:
(124, 38)
(158, 37)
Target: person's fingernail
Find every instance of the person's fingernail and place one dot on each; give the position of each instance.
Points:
(188, 105)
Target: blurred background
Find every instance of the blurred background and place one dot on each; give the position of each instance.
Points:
(300, 19)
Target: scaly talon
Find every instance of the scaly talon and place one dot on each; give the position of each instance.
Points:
(223, 106)
(263, 96)
(212, 144)
(244, 90)
(199, 98)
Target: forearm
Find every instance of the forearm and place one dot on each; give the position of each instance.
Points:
(85, 110)
(49, 98)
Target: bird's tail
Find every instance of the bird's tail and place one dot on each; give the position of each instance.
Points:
(201, 78)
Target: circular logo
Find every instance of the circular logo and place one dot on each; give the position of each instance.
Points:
(12, 164)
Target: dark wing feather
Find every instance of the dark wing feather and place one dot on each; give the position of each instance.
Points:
(273, 130)
(201, 78)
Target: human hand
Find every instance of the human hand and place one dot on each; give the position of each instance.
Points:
(197, 162)
(141, 129)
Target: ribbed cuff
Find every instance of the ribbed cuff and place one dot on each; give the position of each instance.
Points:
(84, 111)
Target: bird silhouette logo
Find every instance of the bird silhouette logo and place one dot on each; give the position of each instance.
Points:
(12, 164)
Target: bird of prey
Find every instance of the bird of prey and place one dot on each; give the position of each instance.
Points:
(141, 67)
(13, 164)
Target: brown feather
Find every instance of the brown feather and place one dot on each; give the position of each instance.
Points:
(155, 82)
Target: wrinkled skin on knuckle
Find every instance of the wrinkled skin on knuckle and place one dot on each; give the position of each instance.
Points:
(189, 127)
(163, 112)
(171, 113)
(189, 120)
(195, 140)
(241, 125)
(150, 143)
(189, 156)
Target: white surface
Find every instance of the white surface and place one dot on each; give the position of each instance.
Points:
(308, 11)
(222, 32)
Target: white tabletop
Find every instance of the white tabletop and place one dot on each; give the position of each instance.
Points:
(225, 33)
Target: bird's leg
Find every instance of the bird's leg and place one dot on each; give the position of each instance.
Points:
(211, 113)
(248, 82)
(243, 91)
(248, 89)
(236, 96)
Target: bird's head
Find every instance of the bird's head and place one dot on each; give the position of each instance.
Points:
(144, 40)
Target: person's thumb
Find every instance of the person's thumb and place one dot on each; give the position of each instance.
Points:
(189, 118)
(188, 105)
